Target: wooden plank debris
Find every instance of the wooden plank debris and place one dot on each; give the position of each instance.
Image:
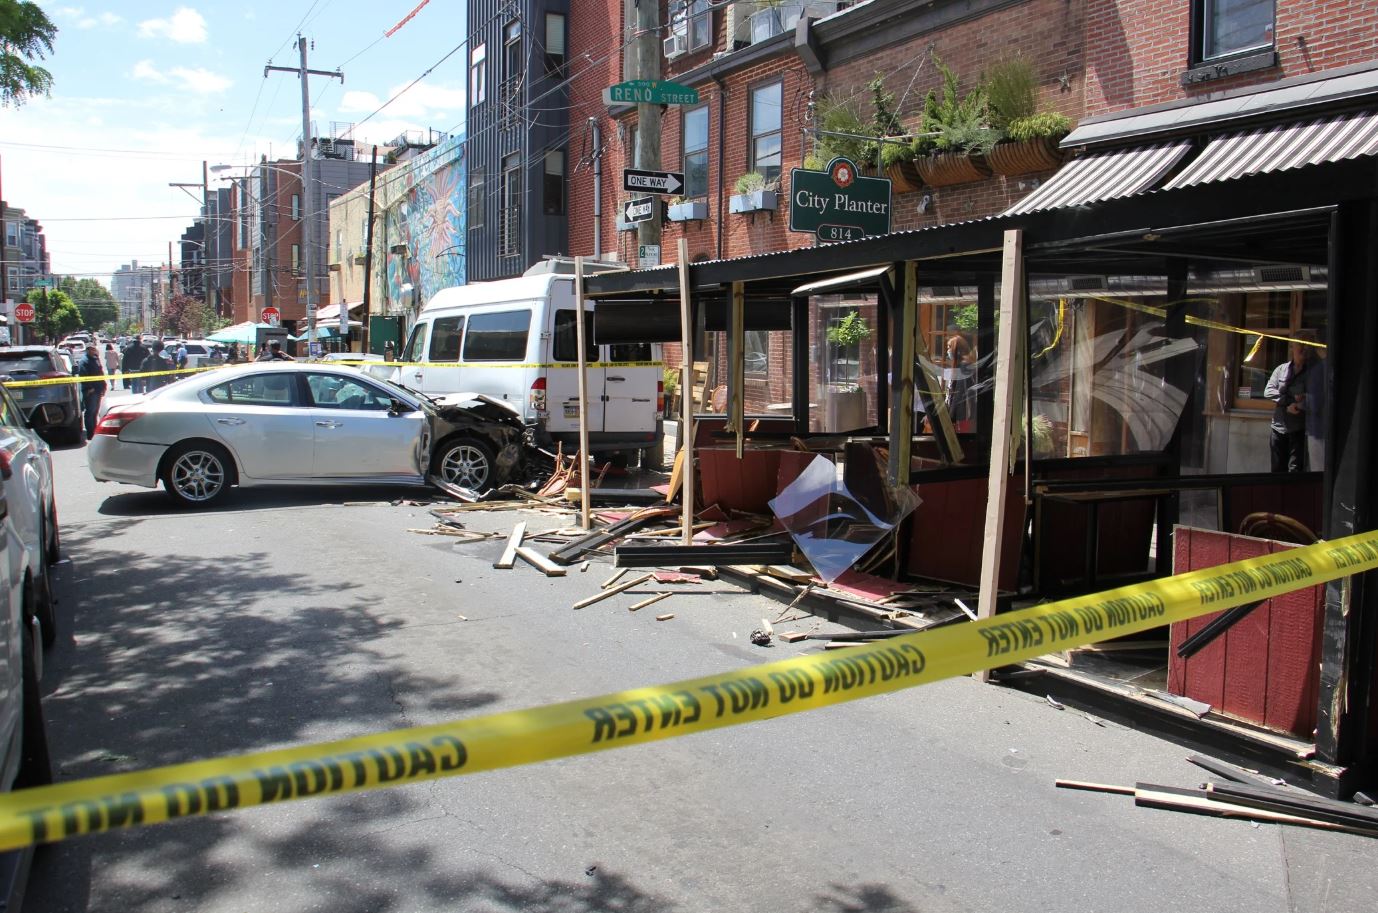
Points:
(791, 637)
(576, 550)
(514, 541)
(617, 575)
(1230, 771)
(539, 561)
(608, 593)
(652, 600)
(1295, 802)
(741, 553)
(666, 617)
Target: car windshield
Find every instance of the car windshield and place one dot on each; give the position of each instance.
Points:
(35, 362)
(427, 402)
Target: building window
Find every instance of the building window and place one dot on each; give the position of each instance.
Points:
(478, 81)
(339, 244)
(554, 41)
(691, 27)
(12, 234)
(510, 230)
(476, 198)
(511, 59)
(632, 151)
(296, 206)
(695, 157)
(765, 130)
(296, 258)
(1229, 27)
(756, 348)
(553, 191)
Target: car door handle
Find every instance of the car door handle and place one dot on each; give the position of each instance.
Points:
(617, 379)
(329, 424)
(229, 421)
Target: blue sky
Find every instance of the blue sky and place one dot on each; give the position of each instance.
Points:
(143, 92)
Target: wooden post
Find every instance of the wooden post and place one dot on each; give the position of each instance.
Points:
(736, 371)
(902, 366)
(585, 517)
(686, 389)
(1006, 384)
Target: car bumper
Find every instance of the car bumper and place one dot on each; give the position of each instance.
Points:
(113, 460)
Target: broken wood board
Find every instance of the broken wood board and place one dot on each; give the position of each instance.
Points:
(613, 591)
(576, 550)
(539, 561)
(716, 532)
(869, 586)
(637, 606)
(514, 541)
(676, 577)
(718, 555)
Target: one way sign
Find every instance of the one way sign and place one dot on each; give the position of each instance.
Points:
(666, 182)
(638, 210)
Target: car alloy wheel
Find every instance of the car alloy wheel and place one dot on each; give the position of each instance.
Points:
(196, 475)
(467, 464)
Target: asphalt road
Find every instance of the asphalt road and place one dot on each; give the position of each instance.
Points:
(292, 616)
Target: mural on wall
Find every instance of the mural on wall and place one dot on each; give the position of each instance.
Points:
(423, 207)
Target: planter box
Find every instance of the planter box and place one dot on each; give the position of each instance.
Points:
(844, 410)
(905, 176)
(1011, 158)
(945, 168)
(693, 211)
(753, 202)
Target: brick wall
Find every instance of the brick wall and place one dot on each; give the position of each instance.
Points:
(1137, 50)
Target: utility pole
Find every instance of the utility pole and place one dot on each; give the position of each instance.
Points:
(365, 332)
(308, 225)
(648, 66)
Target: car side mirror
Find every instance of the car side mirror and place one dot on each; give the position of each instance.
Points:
(45, 415)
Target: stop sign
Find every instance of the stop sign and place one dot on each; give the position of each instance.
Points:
(23, 312)
(270, 315)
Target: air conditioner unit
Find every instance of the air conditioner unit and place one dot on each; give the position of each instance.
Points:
(1087, 284)
(1281, 275)
(739, 24)
(675, 45)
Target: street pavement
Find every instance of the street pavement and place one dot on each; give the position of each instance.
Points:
(291, 616)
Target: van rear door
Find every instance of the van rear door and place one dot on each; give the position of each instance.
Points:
(562, 376)
(631, 387)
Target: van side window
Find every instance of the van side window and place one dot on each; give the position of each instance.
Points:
(566, 347)
(630, 351)
(445, 335)
(415, 343)
(497, 337)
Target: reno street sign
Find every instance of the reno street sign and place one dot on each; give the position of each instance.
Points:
(838, 203)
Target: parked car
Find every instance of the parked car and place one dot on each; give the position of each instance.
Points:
(299, 423)
(201, 353)
(26, 467)
(24, 363)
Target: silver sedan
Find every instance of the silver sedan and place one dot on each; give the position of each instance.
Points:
(275, 423)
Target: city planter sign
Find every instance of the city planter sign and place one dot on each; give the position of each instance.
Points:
(838, 203)
(650, 92)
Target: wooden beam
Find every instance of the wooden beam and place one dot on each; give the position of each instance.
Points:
(737, 369)
(1006, 375)
(539, 561)
(509, 554)
(612, 591)
(585, 517)
(902, 366)
(684, 461)
(934, 403)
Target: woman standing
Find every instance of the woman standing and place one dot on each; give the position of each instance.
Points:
(112, 362)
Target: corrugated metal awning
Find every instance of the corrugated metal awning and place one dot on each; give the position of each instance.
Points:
(1282, 148)
(1105, 176)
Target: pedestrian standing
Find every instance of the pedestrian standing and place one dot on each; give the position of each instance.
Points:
(134, 356)
(156, 362)
(1287, 388)
(389, 351)
(112, 362)
(275, 353)
(92, 391)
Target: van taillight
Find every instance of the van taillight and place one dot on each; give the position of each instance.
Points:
(537, 396)
(660, 397)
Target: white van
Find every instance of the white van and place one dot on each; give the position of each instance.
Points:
(514, 340)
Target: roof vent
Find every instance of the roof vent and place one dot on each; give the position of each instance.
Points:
(1280, 275)
(1087, 284)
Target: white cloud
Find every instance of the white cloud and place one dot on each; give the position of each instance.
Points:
(110, 19)
(184, 26)
(199, 80)
(420, 101)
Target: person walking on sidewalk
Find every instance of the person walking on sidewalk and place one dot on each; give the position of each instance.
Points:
(92, 391)
(112, 362)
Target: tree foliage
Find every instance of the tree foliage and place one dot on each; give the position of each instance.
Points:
(185, 316)
(26, 34)
(94, 300)
(54, 313)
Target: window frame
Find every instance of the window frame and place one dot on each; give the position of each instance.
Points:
(296, 207)
(1200, 32)
(686, 152)
(553, 182)
(478, 75)
(474, 206)
(456, 332)
(510, 224)
(753, 138)
(555, 62)
(296, 259)
(511, 56)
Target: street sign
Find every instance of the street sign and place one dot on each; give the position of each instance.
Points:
(23, 312)
(639, 209)
(827, 203)
(43, 283)
(271, 316)
(648, 254)
(666, 182)
(650, 92)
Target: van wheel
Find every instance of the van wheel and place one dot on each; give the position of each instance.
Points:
(35, 765)
(466, 462)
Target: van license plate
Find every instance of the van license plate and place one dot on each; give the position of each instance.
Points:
(571, 410)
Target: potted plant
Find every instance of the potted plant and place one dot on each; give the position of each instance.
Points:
(840, 128)
(896, 158)
(956, 134)
(684, 209)
(844, 403)
(751, 194)
(1029, 138)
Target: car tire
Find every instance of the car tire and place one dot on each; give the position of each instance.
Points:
(466, 462)
(45, 606)
(196, 473)
(53, 552)
(36, 765)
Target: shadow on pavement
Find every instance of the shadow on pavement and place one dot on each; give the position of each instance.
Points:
(149, 502)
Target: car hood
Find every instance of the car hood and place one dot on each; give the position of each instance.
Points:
(478, 405)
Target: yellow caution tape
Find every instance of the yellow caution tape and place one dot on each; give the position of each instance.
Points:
(49, 813)
(103, 378)
(1202, 321)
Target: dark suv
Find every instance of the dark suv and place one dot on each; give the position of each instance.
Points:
(26, 363)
